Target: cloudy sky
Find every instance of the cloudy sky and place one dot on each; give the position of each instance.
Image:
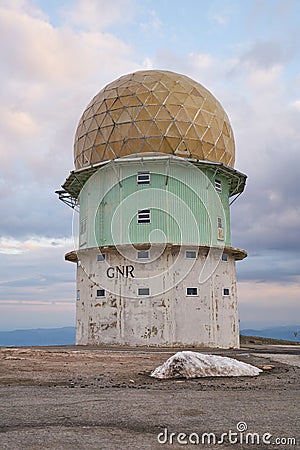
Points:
(57, 54)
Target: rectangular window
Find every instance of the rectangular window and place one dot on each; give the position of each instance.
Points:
(218, 185)
(226, 291)
(143, 254)
(83, 226)
(100, 292)
(220, 229)
(143, 291)
(101, 257)
(191, 291)
(224, 257)
(143, 178)
(143, 216)
(191, 254)
(78, 294)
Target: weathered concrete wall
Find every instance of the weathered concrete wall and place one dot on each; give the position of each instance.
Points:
(166, 317)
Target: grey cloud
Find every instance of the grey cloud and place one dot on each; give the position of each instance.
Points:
(267, 215)
(39, 280)
(266, 54)
(278, 266)
(260, 223)
(37, 211)
(37, 275)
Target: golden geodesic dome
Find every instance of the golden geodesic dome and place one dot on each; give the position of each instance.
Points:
(154, 111)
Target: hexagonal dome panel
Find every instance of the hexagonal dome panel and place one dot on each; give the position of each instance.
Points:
(154, 111)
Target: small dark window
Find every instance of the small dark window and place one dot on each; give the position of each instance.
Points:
(190, 291)
(100, 292)
(224, 257)
(218, 185)
(191, 254)
(101, 257)
(143, 254)
(143, 216)
(143, 291)
(143, 178)
(226, 291)
(220, 224)
(78, 294)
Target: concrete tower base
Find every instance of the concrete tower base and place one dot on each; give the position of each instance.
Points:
(166, 296)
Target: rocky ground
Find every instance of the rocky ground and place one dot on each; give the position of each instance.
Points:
(103, 398)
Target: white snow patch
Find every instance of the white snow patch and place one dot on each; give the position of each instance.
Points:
(192, 365)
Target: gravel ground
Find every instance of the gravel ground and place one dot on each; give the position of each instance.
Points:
(63, 398)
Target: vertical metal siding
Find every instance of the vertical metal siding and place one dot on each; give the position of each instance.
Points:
(174, 203)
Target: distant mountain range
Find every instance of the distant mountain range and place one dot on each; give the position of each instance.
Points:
(287, 333)
(39, 336)
(66, 335)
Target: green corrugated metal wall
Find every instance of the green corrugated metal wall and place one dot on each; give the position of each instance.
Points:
(182, 198)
